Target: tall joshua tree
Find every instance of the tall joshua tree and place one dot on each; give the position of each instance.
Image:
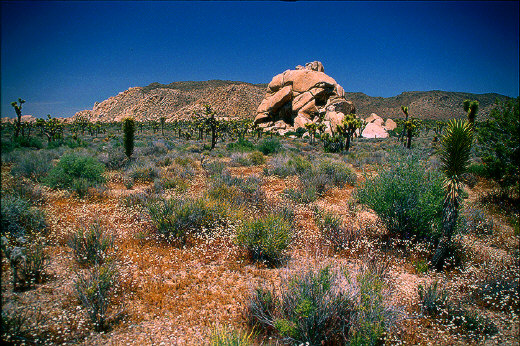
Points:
(128, 136)
(455, 148)
(18, 110)
(348, 127)
(212, 122)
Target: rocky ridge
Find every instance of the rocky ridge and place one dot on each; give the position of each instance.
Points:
(179, 100)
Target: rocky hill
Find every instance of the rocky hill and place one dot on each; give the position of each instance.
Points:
(180, 100)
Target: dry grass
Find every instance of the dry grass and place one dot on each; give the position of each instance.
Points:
(175, 295)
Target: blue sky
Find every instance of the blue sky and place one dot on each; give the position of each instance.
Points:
(62, 57)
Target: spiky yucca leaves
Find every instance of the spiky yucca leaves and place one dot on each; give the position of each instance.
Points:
(128, 139)
(454, 154)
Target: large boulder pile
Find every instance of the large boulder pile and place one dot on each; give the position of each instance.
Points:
(376, 127)
(304, 95)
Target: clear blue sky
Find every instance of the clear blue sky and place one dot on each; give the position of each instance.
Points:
(62, 57)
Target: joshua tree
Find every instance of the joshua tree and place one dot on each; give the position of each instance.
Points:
(454, 154)
(163, 121)
(18, 110)
(52, 128)
(348, 127)
(312, 128)
(212, 123)
(128, 136)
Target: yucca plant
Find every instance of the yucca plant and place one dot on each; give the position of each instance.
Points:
(471, 107)
(454, 155)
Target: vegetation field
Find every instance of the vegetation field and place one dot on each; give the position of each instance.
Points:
(144, 234)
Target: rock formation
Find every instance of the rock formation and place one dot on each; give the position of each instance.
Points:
(376, 127)
(297, 97)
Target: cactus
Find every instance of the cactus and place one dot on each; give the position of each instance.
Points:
(128, 136)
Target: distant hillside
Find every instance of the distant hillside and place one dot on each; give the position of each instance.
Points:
(435, 104)
(181, 100)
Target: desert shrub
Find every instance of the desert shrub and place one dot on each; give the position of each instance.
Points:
(475, 221)
(407, 197)
(94, 290)
(303, 194)
(332, 229)
(265, 238)
(270, 146)
(143, 172)
(240, 159)
(19, 218)
(477, 169)
(236, 190)
(32, 164)
(26, 190)
(20, 326)
(113, 158)
(327, 174)
(256, 158)
(242, 145)
(90, 245)
(225, 336)
(176, 218)
(434, 302)
(28, 142)
(139, 199)
(76, 172)
(432, 298)
(28, 263)
(498, 139)
(285, 165)
(323, 306)
(499, 290)
(214, 167)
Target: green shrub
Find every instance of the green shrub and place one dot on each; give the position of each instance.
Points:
(332, 229)
(303, 194)
(28, 263)
(265, 238)
(143, 172)
(322, 306)
(241, 145)
(29, 142)
(498, 139)
(327, 174)
(270, 146)
(76, 172)
(499, 289)
(32, 164)
(90, 245)
(407, 197)
(94, 290)
(19, 218)
(176, 218)
(432, 299)
(476, 222)
(256, 158)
